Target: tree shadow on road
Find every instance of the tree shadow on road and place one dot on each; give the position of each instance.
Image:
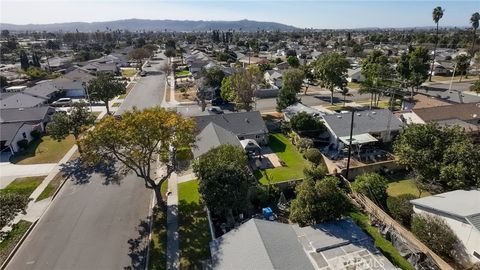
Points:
(138, 246)
(81, 172)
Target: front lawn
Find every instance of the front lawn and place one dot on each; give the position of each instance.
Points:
(44, 150)
(12, 238)
(193, 227)
(24, 186)
(294, 161)
(116, 104)
(182, 73)
(406, 186)
(52, 186)
(386, 247)
(129, 72)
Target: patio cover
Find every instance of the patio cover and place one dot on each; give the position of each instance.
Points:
(250, 145)
(358, 139)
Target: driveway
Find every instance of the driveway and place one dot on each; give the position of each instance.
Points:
(90, 226)
(149, 90)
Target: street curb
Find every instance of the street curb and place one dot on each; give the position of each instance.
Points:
(17, 246)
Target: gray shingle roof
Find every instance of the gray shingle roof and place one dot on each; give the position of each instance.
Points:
(20, 100)
(43, 90)
(370, 121)
(34, 114)
(241, 123)
(460, 203)
(9, 131)
(213, 136)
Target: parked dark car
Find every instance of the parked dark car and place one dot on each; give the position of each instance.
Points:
(218, 101)
(215, 110)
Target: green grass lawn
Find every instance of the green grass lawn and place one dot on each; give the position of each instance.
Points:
(387, 249)
(129, 72)
(158, 244)
(44, 150)
(24, 186)
(193, 228)
(295, 163)
(116, 104)
(12, 238)
(406, 186)
(51, 187)
(182, 73)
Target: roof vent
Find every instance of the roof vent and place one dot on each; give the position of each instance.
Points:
(339, 116)
(358, 114)
(374, 112)
(20, 109)
(246, 120)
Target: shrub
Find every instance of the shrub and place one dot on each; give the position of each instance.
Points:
(401, 209)
(23, 144)
(36, 134)
(304, 144)
(372, 185)
(10, 204)
(435, 233)
(307, 124)
(314, 155)
(315, 172)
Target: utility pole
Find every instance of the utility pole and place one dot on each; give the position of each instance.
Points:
(350, 145)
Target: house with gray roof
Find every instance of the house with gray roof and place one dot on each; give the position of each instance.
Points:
(231, 128)
(374, 125)
(20, 100)
(262, 244)
(460, 209)
(45, 89)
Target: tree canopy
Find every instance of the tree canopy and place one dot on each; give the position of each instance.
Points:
(138, 139)
(307, 124)
(331, 70)
(318, 201)
(441, 159)
(104, 88)
(240, 87)
(223, 179)
(412, 68)
(138, 55)
(372, 185)
(291, 85)
(293, 61)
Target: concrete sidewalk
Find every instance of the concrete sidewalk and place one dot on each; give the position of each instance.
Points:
(173, 252)
(9, 171)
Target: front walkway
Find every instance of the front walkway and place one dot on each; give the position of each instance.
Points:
(173, 252)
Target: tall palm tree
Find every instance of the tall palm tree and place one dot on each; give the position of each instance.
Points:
(437, 14)
(474, 21)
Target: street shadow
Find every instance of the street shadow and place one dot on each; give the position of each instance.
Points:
(138, 246)
(80, 172)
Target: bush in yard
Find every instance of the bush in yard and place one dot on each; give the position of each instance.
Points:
(36, 134)
(315, 172)
(318, 201)
(314, 155)
(304, 144)
(23, 144)
(372, 185)
(307, 124)
(10, 204)
(401, 209)
(435, 233)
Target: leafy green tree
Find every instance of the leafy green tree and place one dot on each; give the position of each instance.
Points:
(223, 179)
(372, 185)
(24, 63)
(436, 234)
(213, 76)
(308, 76)
(331, 70)
(293, 61)
(437, 14)
(315, 172)
(36, 60)
(36, 73)
(75, 122)
(462, 63)
(11, 203)
(378, 73)
(314, 156)
(140, 139)
(412, 68)
(291, 85)
(441, 159)
(474, 21)
(318, 201)
(104, 88)
(401, 209)
(240, 87)
(139, 55)
(307, 124)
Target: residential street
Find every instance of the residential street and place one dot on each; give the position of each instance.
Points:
(90, 226)
(149, 90)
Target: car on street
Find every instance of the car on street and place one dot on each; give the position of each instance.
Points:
(62, 102)
(143, 73)
(215, 110)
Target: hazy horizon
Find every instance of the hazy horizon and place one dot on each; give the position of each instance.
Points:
(302, 14)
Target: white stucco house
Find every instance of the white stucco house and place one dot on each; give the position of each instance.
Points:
(460, 209)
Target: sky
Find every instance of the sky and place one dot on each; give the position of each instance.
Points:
(304, 14)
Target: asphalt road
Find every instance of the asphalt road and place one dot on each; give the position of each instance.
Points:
(89, 226)
(149, 90)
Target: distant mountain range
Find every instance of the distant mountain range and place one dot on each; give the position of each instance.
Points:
(152, 25)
